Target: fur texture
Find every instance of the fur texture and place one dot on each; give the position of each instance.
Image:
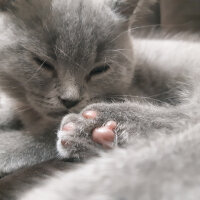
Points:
(165, 168)
(153, 85)
(46, 61)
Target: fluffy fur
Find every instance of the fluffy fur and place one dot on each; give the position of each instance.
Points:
(35, 30)
(166, 168)
(153, 85)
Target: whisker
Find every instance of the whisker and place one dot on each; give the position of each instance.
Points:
(143, 27)
(22, 109)
(124, 56)
(118, 50)
(40, 67)
(126, 98)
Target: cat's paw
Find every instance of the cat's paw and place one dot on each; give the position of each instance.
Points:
(82, 135)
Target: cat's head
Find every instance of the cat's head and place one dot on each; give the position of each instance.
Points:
(57, 55)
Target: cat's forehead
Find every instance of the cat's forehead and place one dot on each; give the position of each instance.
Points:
(82, 25)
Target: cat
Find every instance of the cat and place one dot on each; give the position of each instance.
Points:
(68, 54)
(48, 78)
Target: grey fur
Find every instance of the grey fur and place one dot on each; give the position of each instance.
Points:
(163, 168)
(37, 29)
(74, 36)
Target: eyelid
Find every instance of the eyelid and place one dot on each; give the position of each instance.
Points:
(43, 63)
(38, 60)
(97, 71)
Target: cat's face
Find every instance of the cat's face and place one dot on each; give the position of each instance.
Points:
(66, 52)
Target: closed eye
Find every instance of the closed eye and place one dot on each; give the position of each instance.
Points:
(44, 64)
(97, 71)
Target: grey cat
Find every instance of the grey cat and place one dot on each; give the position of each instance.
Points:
(59, 56)
(49, 78)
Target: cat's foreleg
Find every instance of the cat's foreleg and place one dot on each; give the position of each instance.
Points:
(82, 135)
(19, 149)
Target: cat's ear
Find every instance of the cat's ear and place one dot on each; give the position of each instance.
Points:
(28, 11)
(124, 7)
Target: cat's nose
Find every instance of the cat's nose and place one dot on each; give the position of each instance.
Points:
(69, 103)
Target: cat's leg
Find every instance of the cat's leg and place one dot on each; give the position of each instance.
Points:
(19, 149)
(82, 135)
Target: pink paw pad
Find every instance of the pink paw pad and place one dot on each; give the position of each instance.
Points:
(105, 135)
(68, 127)
(65, 143)
(90, 114)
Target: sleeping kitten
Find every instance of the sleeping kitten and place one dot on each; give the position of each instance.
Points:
(71, 53)
(56, 57)
(59, 56)
(164, 164)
